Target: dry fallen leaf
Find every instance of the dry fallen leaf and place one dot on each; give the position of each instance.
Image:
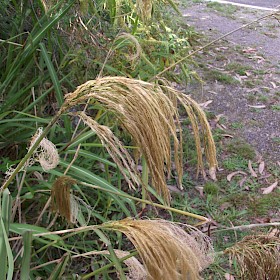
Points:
(229, 176)
(229, 276)
(173, 188)
(261, 167)
(257, 106)
(200, 190)
(252, 171)
(205, 104)
(242, 181)
(273, 85)
(227, 135)
(221, 126)
(270, 188)
(250, 50)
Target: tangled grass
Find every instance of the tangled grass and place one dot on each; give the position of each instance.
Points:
(258, 257)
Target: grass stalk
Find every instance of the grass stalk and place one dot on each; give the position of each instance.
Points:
(113, 255)
(5, 214)
(6, 268)
(181, 212)
(107, 266)
(145, 179)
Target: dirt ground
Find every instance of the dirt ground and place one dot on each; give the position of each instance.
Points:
(241, 73)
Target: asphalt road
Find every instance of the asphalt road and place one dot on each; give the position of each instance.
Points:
(260, 3)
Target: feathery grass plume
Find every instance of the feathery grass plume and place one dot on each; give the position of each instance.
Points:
(167, 251)
(144, 9)
(46, 153)
(258, 257)
(130, 38)
(115, 148)
(136, 270)
(199, 123)
(61, 198)
(147, 112)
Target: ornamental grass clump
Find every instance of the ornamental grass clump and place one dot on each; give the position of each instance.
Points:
(166, 250)
(148, 113)
(258, 257)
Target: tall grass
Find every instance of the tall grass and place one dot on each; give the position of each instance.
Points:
(69, 185)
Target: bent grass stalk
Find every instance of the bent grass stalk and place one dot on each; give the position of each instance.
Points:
(181, 212)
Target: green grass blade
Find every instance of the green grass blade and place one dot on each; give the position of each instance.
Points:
(4, 241)
(25, 263)
(5, 215)
(113, 255)
(45, 24)
(85, 174)
(57, 87)
(60, 268)
(21, 228)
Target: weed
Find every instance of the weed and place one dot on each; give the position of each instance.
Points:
(238, 68)
(276, 140)
(221, 77)
(275, 107)
(235, 163)
(236, 125)
(211, 188)
(226, 10)
(241, 149)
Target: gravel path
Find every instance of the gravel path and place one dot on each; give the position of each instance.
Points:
(241, 73)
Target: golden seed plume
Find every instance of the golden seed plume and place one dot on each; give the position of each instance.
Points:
(258, 257)
(61, 197)
(149, 114)
(115, 148)
(167, 250)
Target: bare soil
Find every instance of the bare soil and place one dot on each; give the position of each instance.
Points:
(241, 73)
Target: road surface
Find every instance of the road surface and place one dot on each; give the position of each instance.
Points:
(256, 4)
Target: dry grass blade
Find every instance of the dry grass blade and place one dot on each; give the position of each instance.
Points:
(258, 257)
(115, 148)
(149, 114)
(167, 251)
(61, 197)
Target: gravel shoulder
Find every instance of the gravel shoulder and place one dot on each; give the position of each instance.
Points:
(241, 73)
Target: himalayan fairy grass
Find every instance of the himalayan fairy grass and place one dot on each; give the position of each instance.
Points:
(149, 116)
(175, 253)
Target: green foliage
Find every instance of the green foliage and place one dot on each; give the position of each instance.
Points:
(221, 77)
(241, 149)
(46, 50)
(211, 188)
